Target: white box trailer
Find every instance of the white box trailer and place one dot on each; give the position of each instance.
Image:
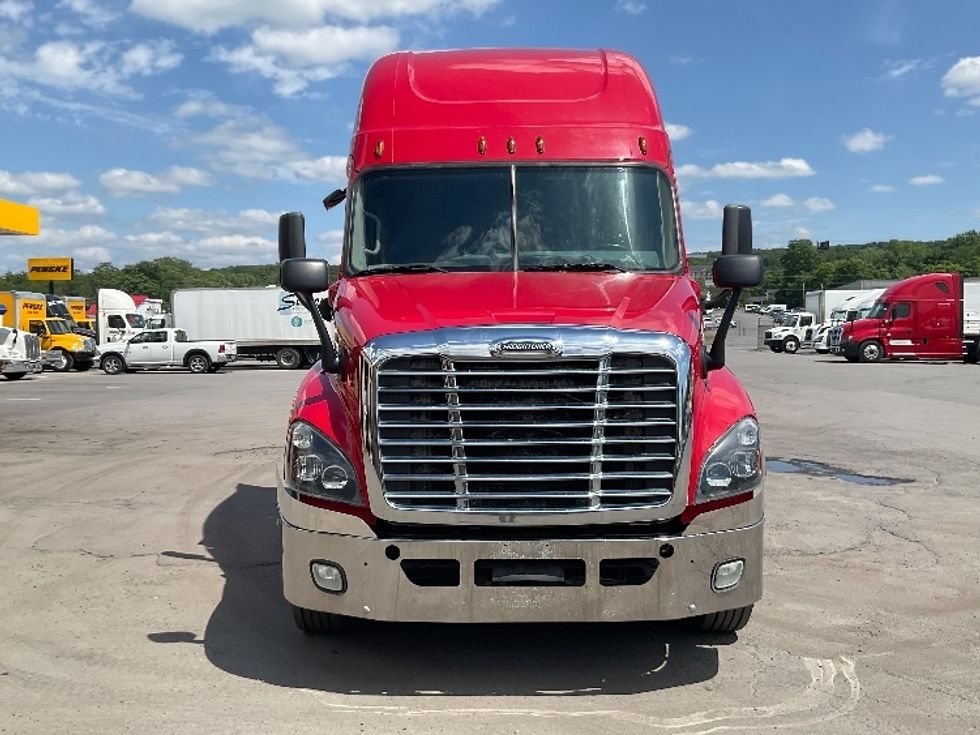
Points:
(266, 323)
(824, 302)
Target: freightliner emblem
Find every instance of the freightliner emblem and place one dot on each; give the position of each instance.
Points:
(529, 347)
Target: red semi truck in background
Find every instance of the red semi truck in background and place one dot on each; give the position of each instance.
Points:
(935, 316)
(518, 419)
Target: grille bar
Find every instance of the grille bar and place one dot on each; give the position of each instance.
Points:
(470, 434)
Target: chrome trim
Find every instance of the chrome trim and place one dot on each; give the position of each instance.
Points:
(579, 342)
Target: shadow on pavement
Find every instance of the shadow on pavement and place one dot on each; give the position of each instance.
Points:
(251, 634)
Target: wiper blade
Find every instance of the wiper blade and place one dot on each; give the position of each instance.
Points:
(577, 267)
(403, 268)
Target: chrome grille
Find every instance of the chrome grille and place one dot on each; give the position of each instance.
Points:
(32, 346)
(517, 435)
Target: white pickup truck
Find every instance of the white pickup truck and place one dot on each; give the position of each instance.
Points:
(160, 348)
(20, 353)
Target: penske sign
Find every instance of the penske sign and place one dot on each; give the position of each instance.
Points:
(50, 269)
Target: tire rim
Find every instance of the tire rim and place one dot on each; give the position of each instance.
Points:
(197, 364)
(62, 362)
(113, 365)
(871, 352)
(289, 359)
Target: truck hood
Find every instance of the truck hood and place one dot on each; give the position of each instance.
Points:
(374, 306)
(113, 346)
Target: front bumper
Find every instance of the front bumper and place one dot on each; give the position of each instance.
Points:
(378, 587)
(14, 367)
(849, 349)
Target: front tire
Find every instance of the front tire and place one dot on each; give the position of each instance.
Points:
(199, 364)
(65, 364)
(776, 348)
(289, 358)
(726, 621)
(315, 622)
(871, 351)
(113, 365)
(14, 376)
(791, 345)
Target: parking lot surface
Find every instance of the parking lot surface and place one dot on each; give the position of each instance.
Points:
(139, 563)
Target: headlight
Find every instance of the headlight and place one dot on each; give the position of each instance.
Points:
(734, 464)
(316, 466)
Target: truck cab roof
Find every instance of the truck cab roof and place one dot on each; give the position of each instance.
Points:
(506, 105)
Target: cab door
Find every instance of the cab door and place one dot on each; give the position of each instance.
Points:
(159, 348)
(138, 349)
(899, 328)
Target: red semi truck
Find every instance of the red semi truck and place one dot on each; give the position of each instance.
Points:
(518, 418)
(935, 316)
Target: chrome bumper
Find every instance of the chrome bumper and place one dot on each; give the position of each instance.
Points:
(378, 588)
(20, 366)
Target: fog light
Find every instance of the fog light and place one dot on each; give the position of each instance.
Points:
(328, 576)
(727, 575)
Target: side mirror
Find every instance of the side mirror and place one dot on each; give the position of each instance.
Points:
(292, 236)
(737, 271)
(304, 275)
(736, 230)
(334, 198)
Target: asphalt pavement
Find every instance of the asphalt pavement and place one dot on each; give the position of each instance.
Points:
(140, 591)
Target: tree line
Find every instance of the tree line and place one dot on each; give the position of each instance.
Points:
(154, 278)
(802, 266)
(790, 271)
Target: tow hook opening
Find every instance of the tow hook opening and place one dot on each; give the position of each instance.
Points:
(529, 573)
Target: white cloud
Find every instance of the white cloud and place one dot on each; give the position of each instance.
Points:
(72, 203)
(294, 59)
(882, 188)
(204, 104)
(926, 180)
(202, 221)
(333, 242)
(91, 14)
(15, 10)
(684, 60)
(145, 59)
(327, 168)
(677, 132)
(155, 239)
(85, 235)
(709, 209)
(36, 182)
(963, 80)
(260, 249)
(257, 149)
(127, 182)
(630, 7)
(212, 15)
(781, 169)
(818, 204)
(92, 255)
(865, 141)
(94, 66)
(778, 200)
(899, 68)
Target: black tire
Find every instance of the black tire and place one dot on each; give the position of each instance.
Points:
(14, 376)
(198, 363)
(316, 622)
(113, 365)
(289, 358)
(850, 359)
(67, 364)
(791, 345)
(871, 351)
(726, 621)
(82, 366)
(776, 348)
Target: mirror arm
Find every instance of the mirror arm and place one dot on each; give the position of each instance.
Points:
(715, 359)
(330, 361)
(716, 301)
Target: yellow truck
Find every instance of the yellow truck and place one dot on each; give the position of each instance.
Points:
(63, 350)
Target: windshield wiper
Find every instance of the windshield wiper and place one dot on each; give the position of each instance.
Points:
(403, 268)
(577, 267)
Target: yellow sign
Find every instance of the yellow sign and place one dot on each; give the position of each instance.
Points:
(19, 219)
(50, 269)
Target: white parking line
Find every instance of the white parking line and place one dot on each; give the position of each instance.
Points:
(23, 399)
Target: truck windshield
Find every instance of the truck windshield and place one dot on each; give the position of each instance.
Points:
(136, 321)
(502, 218)
(57, 326)
(878, 310)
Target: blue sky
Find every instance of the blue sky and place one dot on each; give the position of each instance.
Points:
(145, 128)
